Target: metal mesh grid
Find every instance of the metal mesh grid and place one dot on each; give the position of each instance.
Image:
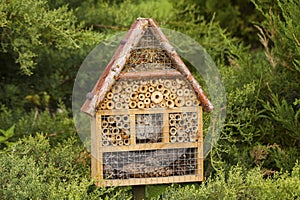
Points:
(149, 163)
(149, 128)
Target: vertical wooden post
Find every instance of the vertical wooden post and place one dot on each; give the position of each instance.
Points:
(139, 192)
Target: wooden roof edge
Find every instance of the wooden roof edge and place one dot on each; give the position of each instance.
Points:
(115, 66)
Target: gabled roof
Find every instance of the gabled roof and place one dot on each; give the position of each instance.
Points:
(116, 65)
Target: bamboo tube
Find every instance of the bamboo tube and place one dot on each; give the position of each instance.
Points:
(140, 104)
(144, 82)
(185, 116)
(180, 131)
(118, 105)
(188, 103)
(173, 131)
(111, 119)
(156, 97)
(141, 97)
(167, 83)
(195, 129)
(109, 95)
(166, 97)
(126, 125)
(129, 83)
(173, 139)
(134, 96)
(118, 118)
(166, 92)
(128, 89)
(178, 117)
(147, 101)
(143, 89)
(194, 116)
(172, 116)
(105, 131)
(195, 102)
(179, 102)
(103, 106)
(173, 96)
(104, 124)
(132, 104)
(108, 137)
(151, 89)
(126, 131)
(110, 105)
(172, 122)
(179, 81)
(124, 136)
(160, 87)
(163, 103)
(125, 118)
(160, 81)
(116, 89)
(154, 82)
(180, 139)
(186, 92)
(174, 83)
(135, 88)
(105, 142)
(182, 122)
(170, 103)
(152, 105)
(126, 142)
(126, 99)
(120, 143)
(179, 92)
(148, 95)
(114, 143)
(119, 125)
(116, 98)
(173, 89)
(115, 131)
(118, 137)
(193, 137)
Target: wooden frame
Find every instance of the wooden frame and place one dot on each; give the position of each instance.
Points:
(97, 163)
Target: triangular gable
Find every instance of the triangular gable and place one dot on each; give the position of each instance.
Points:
(137, 38)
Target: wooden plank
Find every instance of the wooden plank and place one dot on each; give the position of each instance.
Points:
(165, 131)
(200, 143)
(132, 132)
(148, 111)
(93, 147)
(99, 147)
(142, 75)
(150, 146)
(153, 180)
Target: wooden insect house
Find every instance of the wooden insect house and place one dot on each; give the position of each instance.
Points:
(146, 114)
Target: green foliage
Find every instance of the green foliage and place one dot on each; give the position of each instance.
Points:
(33, 169)
(240, 184)
(6, 135)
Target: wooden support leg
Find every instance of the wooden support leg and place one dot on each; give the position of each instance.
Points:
(139, 192)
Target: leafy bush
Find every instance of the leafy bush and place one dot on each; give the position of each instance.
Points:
(33, 169)
(240, 184)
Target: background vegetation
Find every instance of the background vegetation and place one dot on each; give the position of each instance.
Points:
(255, 44)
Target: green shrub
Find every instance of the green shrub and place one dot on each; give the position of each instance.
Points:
(33, 169)
(238, 183)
